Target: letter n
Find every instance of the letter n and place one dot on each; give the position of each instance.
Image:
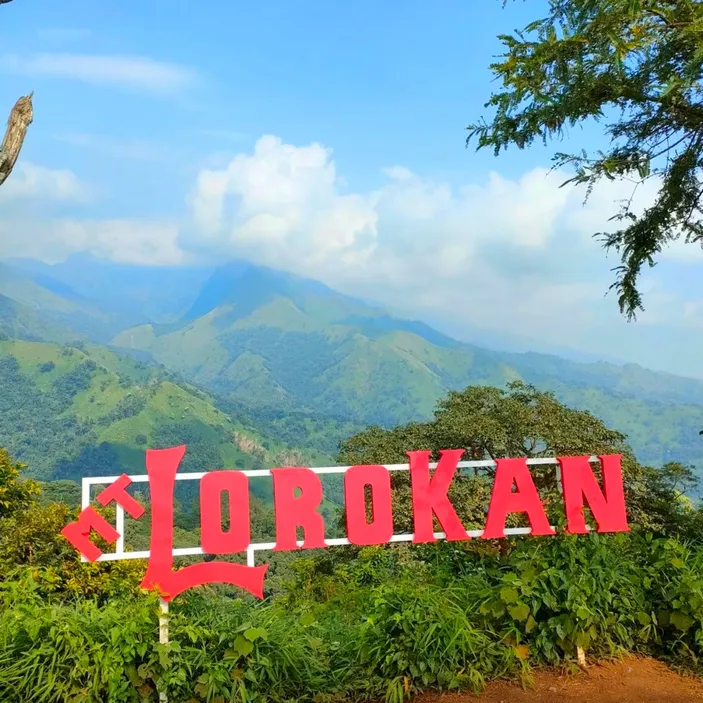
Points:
(580, 485)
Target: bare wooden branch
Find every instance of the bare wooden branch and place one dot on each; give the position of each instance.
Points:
(21, 117)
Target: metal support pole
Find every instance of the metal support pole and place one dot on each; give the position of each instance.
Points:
(163, 634)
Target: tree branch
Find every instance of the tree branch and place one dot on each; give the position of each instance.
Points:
(21, 117)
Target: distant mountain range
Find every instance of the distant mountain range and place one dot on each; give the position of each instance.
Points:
(73, 411)
(293, 352)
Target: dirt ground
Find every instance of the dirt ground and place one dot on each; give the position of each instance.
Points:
(631, 680)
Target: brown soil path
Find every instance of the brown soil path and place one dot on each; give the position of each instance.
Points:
(632, 680)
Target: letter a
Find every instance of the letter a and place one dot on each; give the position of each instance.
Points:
(504, 501)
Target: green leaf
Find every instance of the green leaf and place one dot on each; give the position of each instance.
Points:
(255, 633)
(681, 621)
(643, 618)
(520, 611)
(498, 609)
(307, 619)
(583, 639)
(529, 574)
(508, 595)
(644, 169)
(244, 647)
(530, 625)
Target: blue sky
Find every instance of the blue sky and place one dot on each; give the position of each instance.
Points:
(381, 83)
(327, 139)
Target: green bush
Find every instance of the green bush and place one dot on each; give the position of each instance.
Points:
(414, 638)
(380, 622)
(347, 624)
(82, 652)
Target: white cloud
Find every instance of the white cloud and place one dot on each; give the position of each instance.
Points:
(512, 254)
(136, 73)
(281, 200)
(608, 198)
(127, 241)
(29, 181)
(30, 227)
(684, 253)
(515, 254)
(123, 240)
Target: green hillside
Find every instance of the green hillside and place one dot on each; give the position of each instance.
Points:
(310, 366)
(23, 322)
(282, 354)
(70, 412)
(53, 311)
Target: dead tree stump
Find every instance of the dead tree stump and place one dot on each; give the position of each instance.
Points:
(21, 117)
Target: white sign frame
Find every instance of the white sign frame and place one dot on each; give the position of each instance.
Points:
(120, 553)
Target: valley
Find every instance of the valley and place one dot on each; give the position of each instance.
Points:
(205, 356)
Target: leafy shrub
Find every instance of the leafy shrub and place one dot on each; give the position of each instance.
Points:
(414, 638)
(78, 653)
(382, 624)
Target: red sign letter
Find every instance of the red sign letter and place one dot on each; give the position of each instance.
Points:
(579, 482)
(430, 495)
(117, 491)
(212, 538)
(524, 500)
(292, 512)
(162, 465)
(78, 533)
(380, 530)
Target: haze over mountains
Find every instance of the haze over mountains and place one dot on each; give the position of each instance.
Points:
(290, 351)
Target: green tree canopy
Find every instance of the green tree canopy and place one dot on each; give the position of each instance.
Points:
(31, 544)
(16, 494)
(491, 423)
(636, 66)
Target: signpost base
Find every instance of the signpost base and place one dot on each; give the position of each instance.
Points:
(163, 635)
